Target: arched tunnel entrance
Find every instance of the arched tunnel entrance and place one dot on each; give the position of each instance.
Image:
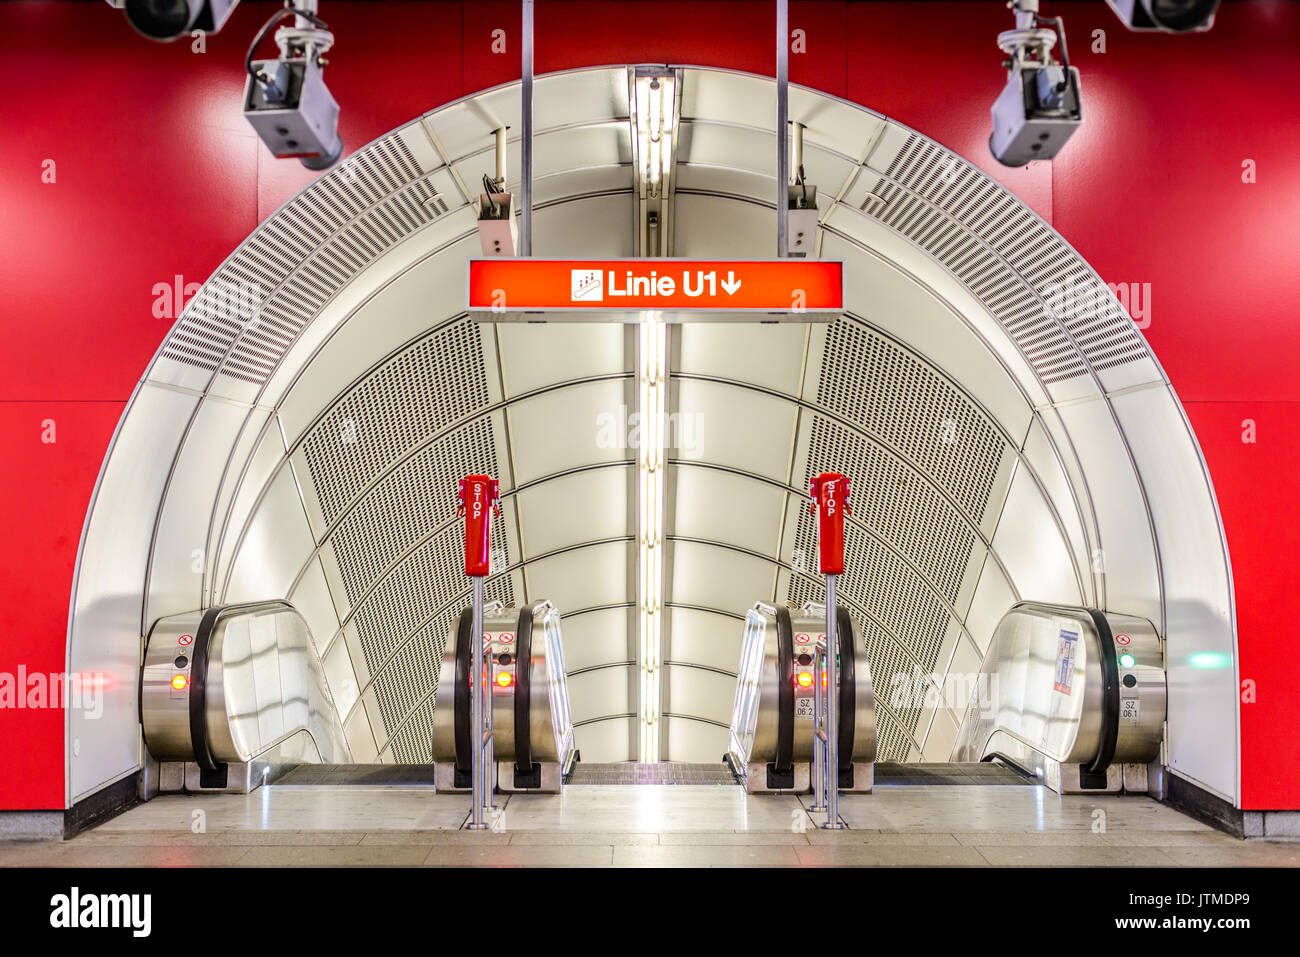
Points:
(299, 434)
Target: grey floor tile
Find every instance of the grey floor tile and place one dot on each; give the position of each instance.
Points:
(1076, 837)
(715, 838)
(1245, 854)
(882, 855)
(707, 855)
(522, 855)
(1099, 855)
(434, 838)
(574, 838)
(352, 855)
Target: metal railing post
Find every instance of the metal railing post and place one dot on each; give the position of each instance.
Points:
(831, 759)
(830, 496)
(819, 722)
(477, 501)
(479, 677)
(526, 132)
(782, 128)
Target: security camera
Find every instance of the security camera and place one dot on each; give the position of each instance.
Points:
(1167, 16)
(165, 20)
(286, 100)
(1040, 106)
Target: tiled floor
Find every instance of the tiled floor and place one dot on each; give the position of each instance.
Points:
(651, 826)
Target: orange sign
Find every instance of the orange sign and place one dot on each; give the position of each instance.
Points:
(797, 288)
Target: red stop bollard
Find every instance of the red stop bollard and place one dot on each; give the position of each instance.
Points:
(830, 495)
(478, 495)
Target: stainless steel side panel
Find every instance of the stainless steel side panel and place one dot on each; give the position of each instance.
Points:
(265, 685)
(1039, 698)
(753, 733)
(550, 716)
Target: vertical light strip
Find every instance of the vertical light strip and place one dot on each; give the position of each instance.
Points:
(652, 402)
(653, 128)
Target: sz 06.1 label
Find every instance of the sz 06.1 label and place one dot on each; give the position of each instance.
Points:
(1129, 709)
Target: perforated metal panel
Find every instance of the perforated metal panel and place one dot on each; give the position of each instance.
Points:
(1006, 257)
(894, 726)
(889, 393)
(408, 503)
(424, 389)
(252, 309)
(398, 622)
(897, 504)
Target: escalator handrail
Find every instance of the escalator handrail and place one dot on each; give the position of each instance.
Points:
(200, 654)
(461, 703)
(1110, 694)
(784, 757)
(848, 686)
(524, 691)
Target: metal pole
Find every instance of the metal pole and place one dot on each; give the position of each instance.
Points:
(526, 156)
(819, 744)
(489, 720)
(477, 772)
(782, 126)
(832, 712)
(501, 157)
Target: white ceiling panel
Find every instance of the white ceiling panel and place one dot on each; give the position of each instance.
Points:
(597, 694)
(585, 577)
(699, 693)
(709, 226)
(739, 427)
(710, 576)
(707, 638)
(597, 638)
(770, 354)
(549, 519)
(608, 740)
(538, 354)
(751, 519)
(559, 430)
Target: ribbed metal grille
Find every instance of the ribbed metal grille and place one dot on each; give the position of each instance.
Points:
(894, 396)
(420, 392)
(299, 259)
(1005, 256)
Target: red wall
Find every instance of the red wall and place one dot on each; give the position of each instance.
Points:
(157, 175)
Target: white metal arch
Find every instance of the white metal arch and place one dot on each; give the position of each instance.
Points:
(1073, 475)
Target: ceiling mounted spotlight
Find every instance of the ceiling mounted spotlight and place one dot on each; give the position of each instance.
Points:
(1167, 16)
(1040, 106)
(165, 20)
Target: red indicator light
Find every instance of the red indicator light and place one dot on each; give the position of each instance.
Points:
(179, 682)
(804, 679)
(505, 679)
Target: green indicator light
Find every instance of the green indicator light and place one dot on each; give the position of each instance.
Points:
(1127, 660)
